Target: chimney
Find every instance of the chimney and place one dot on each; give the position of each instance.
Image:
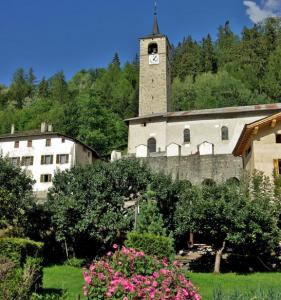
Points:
(50, 127)
(43, 127)
(12, 128)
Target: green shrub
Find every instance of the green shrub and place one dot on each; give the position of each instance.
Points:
(151, 244)
(20, 268)
(75, 262)
(17, 250)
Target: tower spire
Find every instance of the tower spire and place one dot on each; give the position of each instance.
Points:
(156, 30)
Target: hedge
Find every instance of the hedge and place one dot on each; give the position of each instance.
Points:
(150, 244)
(21, 270)
(17, 250)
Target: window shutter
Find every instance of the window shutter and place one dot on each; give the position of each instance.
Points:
(31, 160)
(276, 166)
(52, 158)
(42, 159)
(49, 178)
(41, 178)
(58, 159)
(67, 158)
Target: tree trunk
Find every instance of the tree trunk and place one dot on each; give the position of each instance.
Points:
(218, 259)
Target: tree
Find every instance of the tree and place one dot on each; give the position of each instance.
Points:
(226, 45)
(186, 61)
(272, 80)
(20, 88)
(87, 204)
(226, 215)
(208, 56)
(58, 88)
(149, 219)
(16, 198)
(43, 88)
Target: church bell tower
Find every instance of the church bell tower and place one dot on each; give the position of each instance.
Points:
(155, 73)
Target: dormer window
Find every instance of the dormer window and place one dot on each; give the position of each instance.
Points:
(152, 48)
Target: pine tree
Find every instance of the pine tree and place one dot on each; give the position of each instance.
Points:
(58, 88)
(19, 89)
(208, 56)
(149, 219)
(43, 88)
(116, 60)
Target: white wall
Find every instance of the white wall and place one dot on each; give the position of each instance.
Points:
(203, 128)
(39, 148)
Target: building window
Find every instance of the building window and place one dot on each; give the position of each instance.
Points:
(46, 159)
(15, 161)
(48, 142)
(46, 178)
(152, 48)
(62, 159)
(186, 136)
(17, 144)
(278, 138)
(151, 145)
(29, 143)
(27, 161)
(63, 140)
(224, 133)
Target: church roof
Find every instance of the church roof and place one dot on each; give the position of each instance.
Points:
(252, 129)
(213, 111)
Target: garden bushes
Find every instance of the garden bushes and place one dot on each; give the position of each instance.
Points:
(151, 244)
(20, 268)
(17, 250)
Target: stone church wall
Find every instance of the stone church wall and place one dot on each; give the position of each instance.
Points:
(197, 168)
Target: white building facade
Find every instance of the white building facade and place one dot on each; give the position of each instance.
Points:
(42, 153)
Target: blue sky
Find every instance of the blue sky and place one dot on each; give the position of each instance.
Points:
(68, 35)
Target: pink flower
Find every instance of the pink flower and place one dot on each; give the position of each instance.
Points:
(88, 279)
(115, 246)
(109, 253)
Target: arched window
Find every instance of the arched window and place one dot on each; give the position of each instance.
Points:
(152, 48)
(186, 136)
(224, 133)
(151, 145)
(208, 182)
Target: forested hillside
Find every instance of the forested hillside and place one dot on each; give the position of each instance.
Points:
(231, 70)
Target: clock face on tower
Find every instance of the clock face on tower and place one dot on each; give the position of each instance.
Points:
(154, 59)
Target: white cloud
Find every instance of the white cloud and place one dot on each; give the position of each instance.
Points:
(268, 8)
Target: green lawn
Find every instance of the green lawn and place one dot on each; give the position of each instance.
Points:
(63, 278)
(231, 282)
(58, 278)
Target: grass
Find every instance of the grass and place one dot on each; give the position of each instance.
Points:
(63, 278)
(59, 278)
(231, 282)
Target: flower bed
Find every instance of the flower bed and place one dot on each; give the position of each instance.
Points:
(130, 275)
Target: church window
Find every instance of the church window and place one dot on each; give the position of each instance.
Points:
(151, 145)
(186, 136)
(152, 48)
(278, 138)
(224, 133)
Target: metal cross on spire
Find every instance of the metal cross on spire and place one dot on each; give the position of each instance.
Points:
(155, 25)
(155, 7)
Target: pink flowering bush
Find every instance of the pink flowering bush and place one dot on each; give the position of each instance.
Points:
(128, 274)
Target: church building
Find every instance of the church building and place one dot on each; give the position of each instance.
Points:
(193, 145)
